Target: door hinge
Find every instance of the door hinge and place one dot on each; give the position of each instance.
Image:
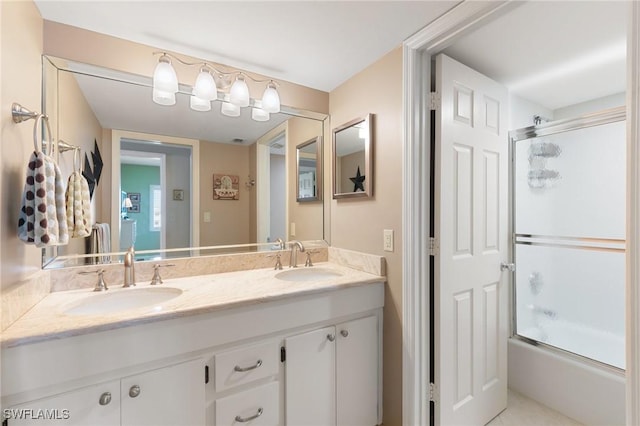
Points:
(283, 354)
(433, 392)
(206, 374)
(433, 246)
(434, 101)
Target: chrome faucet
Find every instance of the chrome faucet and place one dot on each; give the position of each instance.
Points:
(293, 258)
(129, 268)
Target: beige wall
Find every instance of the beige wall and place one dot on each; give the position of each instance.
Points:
(21, 46)
(98, 49)
(307, 216)
(358, 224)
(229, 218)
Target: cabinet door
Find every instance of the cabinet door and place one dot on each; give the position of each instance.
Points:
(97, 405)
(357, 372)
(310, 378)
(167, 396)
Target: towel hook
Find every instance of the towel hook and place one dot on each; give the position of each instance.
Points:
(45, 120)
(77, 160)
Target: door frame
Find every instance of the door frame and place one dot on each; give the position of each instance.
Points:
(417, 52)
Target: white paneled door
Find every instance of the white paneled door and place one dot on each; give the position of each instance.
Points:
(471, 303)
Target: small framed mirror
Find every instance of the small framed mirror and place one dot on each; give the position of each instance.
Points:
(353, 158)
(308, 169)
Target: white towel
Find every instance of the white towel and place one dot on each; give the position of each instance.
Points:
(78, 206)
(42, 218)
(100, 242)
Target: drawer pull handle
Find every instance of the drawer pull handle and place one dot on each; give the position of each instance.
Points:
(331, 337)
(105, 398)
(344, 333)
(252, 367)
(134, 391)
(248, 419)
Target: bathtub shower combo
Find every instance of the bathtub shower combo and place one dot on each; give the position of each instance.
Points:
(568, 187)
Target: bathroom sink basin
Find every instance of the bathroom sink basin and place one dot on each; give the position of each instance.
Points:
(307, 274)
(125, 299)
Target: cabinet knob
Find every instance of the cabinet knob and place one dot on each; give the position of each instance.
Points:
(331, 337)
(105, 398)
(134, 391)
(344, 333)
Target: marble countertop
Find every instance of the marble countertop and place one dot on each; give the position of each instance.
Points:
(200, 294)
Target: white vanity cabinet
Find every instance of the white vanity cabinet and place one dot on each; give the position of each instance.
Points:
(167, 396)
(140, 399)
(219, 368)
(97, 405)
(332, 375)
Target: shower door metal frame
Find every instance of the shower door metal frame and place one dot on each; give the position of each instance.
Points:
(603, 117)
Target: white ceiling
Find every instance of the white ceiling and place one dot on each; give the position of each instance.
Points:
(552, 53)
(319, 44)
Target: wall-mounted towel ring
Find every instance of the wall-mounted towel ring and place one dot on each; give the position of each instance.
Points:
(46, 148)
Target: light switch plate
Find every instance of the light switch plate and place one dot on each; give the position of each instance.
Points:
(293, 229)
(207, 217)
(387, 244)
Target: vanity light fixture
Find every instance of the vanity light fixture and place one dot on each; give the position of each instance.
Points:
(258, 113)
(164, 98)
(164, 76)
(205, 89)
(198, 104)
(239, 92)
(271, 99)
(229, 109)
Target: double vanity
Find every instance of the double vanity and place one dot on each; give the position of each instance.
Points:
(256, 347)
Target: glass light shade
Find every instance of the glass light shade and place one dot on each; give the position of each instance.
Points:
(205, 87)
(271, 100)
(127, 203)
(164, 77)
(230, 110)
(239, 93)
(198, 104)
(164, 98)
(258, 114)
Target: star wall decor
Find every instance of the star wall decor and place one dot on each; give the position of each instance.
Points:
(92, 175)
(358, 181)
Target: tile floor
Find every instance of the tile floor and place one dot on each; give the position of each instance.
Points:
(522, 411)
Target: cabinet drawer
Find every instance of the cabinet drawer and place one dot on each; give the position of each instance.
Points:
(245, 365)
(256, 407)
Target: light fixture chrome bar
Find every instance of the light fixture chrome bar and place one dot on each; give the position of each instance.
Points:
(20, 113)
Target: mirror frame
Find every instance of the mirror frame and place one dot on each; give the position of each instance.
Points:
(368, 158)
(318, 197)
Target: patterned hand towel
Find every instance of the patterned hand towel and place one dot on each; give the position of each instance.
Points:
(78, 206)
(42, 214)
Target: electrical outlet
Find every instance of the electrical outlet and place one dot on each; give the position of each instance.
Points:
(387, 244)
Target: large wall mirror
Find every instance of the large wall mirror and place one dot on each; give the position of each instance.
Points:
(353, 158)
(309, 170)
(173, 181)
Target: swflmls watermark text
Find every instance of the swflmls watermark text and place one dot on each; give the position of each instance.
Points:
(35, 414)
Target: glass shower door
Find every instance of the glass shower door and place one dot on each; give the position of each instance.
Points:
(569, 235)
